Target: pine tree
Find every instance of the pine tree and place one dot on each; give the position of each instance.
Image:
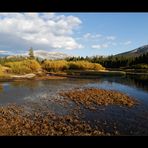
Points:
(31, 53)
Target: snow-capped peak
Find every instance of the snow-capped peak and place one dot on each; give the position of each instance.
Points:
(50, 55)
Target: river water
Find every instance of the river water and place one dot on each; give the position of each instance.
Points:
(128, 121)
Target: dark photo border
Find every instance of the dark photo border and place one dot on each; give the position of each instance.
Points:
(74, 6)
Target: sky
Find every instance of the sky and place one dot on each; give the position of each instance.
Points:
(79, 34)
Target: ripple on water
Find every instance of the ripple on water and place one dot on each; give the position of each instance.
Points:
(40, 95)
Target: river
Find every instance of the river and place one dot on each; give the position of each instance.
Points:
(128, 121)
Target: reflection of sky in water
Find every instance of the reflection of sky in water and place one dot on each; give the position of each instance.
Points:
(132, 91)
(17, 92)
(42, 95)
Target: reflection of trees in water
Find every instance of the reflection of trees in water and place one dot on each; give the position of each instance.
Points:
(1, 88)
(48, 83)
(139, 81)
(77, 81)
(28, 84)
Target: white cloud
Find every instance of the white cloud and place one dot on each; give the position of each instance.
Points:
(127, 42)
(39, 30)
(3, 51)
(110, 37)
(96, 46)
(100, 41)
(100, 38)
(91, 36)
(87, 35)
(99, 46)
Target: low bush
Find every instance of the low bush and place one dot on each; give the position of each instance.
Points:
(55, 65)
(73, 65)
(85, 65)
(23, 67)
(1, 70)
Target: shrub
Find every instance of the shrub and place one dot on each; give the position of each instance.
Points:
(55, 65)
(74, 65)
(98, 66)
(3, 75)
(24, 67)
(1, 70)
(31, 64)
(79, 65)
(85, 65)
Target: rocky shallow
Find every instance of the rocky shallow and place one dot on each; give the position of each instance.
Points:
(90, 97)
(16, 120)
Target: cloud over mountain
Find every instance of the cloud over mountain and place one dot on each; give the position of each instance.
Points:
(39, 30)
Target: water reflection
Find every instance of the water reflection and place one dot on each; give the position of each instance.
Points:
(1, 88)
(44, 95)
(140, 81)
(136, 81)
(21, 90)
(28, 84)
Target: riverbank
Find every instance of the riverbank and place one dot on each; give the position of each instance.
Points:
(87, 73)
(30, 76)
(82, 74)
(130, 71)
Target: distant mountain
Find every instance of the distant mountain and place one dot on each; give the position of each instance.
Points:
(136, 52)
(16, 56)
(42, 54)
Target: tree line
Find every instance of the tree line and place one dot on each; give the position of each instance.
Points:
(108, 62)
(114, 61)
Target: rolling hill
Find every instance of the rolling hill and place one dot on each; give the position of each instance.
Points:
(136, 52)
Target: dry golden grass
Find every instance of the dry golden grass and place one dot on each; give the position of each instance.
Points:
(55, 65)
(1, 72)
(23, 67)
(85, 65)
(76, 65)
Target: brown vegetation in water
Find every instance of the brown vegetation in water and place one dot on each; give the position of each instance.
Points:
(92, 96)
(14, 121)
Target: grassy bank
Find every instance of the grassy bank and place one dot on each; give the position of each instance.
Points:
(48, 69)
(30, 69)
(87, 73)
